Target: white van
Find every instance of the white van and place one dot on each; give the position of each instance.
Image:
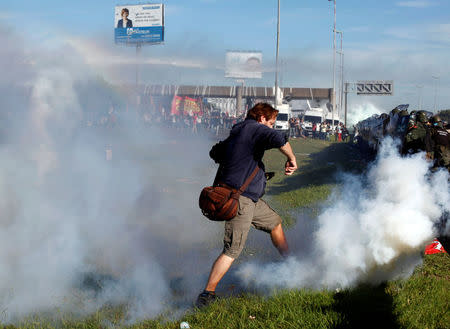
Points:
(284, 114)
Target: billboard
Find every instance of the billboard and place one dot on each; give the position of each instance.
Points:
(139, 24)
(243, 64)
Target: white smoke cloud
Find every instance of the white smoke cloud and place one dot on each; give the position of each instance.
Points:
(375, 228)
(77, 231)
(362, 111)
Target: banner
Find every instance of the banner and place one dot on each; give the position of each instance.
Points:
(191, 105)
(176, 104)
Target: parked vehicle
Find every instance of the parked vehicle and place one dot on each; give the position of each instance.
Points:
(283, 117)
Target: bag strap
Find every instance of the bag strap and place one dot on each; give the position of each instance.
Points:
(248, 181)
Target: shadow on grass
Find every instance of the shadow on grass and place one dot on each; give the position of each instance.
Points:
(322, 168)
(445, 241)
(365, 307)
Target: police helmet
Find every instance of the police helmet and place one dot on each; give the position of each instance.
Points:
(437, 121)
(422, 117)
(436, 118)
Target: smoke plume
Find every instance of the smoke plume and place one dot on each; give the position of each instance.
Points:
(362, 111)
(375, 228)
(79, 231)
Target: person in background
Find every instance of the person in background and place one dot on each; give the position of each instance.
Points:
(292, 128)
(345, 134)
(303, 131)
(339, 132)
(314, 130)
(441, 139)
(323, 131)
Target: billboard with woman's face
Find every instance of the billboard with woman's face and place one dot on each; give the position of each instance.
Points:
(243, 64)
(142, 24)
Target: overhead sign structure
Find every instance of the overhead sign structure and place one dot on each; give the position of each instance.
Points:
(139, 24)
(383, 87)
(243, 64)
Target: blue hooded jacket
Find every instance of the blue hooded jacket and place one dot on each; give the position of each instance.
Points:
(242, 151)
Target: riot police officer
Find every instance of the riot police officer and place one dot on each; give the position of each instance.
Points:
(441, 139)
(418, 137)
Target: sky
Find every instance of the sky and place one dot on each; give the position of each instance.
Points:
(404, 41)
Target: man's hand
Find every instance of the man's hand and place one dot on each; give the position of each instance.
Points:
(291, 163)
(290, 167)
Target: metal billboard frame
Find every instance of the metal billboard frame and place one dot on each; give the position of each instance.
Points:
(375, 87)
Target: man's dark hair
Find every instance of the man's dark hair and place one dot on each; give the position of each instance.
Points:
(262, 110)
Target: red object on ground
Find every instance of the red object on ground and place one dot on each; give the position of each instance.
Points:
(434, 248)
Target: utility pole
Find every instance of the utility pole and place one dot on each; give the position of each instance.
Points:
(239, 91)
(138, 59)
(276, 58)
(436, 78)
(333, 102)
(419, 102)
(346, 93)
(341, 76)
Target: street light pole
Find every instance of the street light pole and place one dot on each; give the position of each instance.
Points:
(333, 102)
(341, 77)
(435, 92)
(276, 58)
(419, 105)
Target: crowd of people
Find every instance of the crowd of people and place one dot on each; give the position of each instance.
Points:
(210, 120)
(319, 130)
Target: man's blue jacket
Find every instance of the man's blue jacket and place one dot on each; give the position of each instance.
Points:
(242, 151)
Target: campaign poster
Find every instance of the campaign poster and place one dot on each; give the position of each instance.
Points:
(142, 24)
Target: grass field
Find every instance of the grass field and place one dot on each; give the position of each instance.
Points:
(421, 301)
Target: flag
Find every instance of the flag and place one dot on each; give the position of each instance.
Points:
(191, 105)
(176, 104)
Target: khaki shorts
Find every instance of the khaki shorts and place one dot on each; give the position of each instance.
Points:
(259, 215)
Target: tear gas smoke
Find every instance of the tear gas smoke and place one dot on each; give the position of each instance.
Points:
(360, 112)
(375, 228)
(77, 231)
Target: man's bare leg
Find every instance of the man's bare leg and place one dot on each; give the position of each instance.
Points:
(279, 240)
(218, 270)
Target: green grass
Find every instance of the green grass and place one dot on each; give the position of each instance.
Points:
(421, 301)
(292, 309)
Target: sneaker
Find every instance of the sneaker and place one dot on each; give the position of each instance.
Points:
(205, 298)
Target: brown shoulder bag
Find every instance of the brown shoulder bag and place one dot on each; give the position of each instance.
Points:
(221, 202)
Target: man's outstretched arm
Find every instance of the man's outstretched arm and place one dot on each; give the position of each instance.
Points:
(291, 163)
